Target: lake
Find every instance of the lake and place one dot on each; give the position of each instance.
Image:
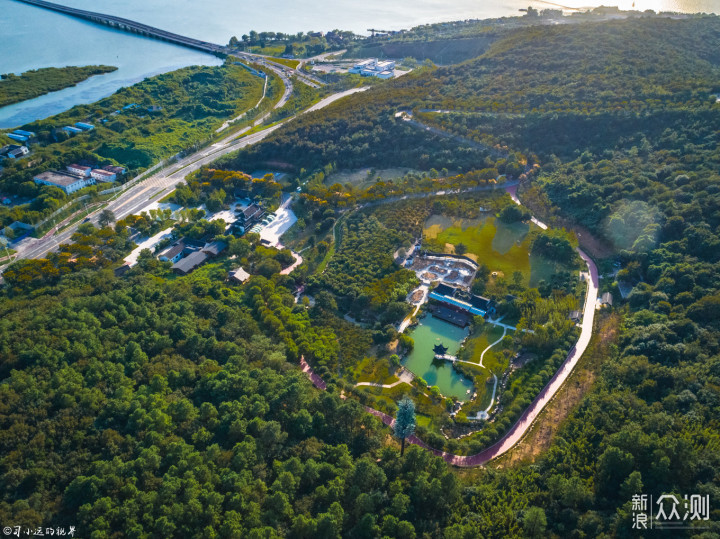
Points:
(420, 361)
(34, 37)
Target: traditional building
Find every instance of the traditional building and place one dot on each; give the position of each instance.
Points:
(458, 299)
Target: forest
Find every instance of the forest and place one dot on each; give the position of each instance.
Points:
(155, 405)
(36, 82)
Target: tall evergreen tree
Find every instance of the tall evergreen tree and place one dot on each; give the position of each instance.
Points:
(405, 421)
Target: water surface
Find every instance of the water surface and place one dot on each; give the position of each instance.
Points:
(420, 361)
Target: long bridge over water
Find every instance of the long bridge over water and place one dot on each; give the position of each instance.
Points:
(134, 27)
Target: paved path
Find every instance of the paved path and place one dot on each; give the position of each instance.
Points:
(521, 427)
(406, 377)
(140, 195)
(490, 346)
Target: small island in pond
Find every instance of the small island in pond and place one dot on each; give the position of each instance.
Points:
(37, 82)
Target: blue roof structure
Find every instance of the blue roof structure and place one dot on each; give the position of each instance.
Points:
(477, 305)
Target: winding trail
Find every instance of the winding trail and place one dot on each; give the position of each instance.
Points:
(490, 346)
(522, 425)
(482, 356)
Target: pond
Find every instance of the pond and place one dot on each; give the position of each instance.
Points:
(421, 361)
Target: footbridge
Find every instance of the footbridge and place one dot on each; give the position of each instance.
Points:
(134, 27)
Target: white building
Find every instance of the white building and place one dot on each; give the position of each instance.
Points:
(374, 68)
(80, 170)
(101, 175)
(67, 182)
(17, 153)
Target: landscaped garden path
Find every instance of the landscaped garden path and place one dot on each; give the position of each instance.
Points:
(521, 427)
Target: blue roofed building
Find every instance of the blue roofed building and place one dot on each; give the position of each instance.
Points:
(458, 299)
(19, 138)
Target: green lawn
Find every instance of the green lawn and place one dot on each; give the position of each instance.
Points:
(502, 247)
(480, 242)
(365, 177)
(479, 341)
(292, 64)
(373, 369)
(494, 362)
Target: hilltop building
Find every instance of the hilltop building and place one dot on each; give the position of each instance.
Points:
(18, 152)
(374, 68)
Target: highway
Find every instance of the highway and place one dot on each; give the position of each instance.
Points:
(138, 197)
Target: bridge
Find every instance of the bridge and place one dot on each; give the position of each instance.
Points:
(134, 27)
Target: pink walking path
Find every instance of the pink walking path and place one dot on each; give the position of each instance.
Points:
(521, 427)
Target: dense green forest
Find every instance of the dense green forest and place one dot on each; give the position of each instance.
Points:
(151, 405)
(37, 82)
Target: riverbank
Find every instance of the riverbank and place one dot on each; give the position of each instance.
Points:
(34, 83)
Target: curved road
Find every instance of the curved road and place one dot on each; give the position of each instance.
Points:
(141, 195)
(520, 428)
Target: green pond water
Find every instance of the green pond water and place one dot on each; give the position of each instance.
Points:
(420, 361)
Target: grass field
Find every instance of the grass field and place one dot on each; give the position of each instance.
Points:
(373, 369)
(479, 238)
(288, 62)
(502, 247)
(364, 177)
(494, 362)
(479, 341)
(269, 50)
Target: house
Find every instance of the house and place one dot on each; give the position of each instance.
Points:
(84, 126)
(67, 182)
(101, 175)
(173, 253)
(239, 275)
(606, 299)
(189, 263)
(154, 108)
(19, 152)
(28, 134)
(79, 170)
(214, 248)
(118, 171)
(248, 217)
(72, 130)
(575, 316)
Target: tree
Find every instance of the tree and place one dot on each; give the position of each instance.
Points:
(405, 421)
(513, 213)
(460, 249)
(534, 522)
(269, 267)
(106, 218)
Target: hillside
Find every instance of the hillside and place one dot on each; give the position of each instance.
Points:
(160, 405)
